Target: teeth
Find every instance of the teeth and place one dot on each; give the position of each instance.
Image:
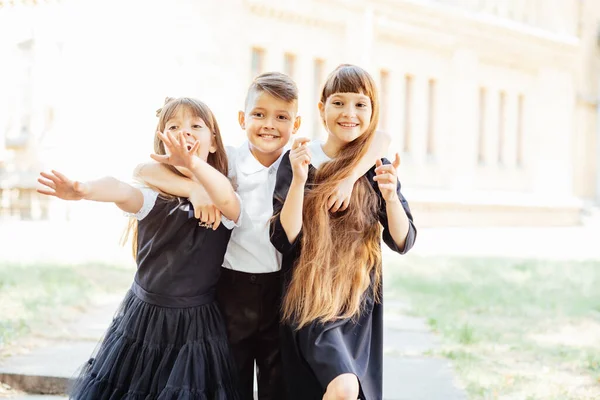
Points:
(349, 125)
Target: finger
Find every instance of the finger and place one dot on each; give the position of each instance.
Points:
(160, 158)
(331, 201)
(217, 219)
(299, 142)
(345, 204)
(211, 215)
(204, 214)
(385, 178)
(60, 176)
(337, 205)
(197, 212)
(378, 163)
(195, 147)
(47, 182)
(387, 168)
(396, 162)
(46, 192)
(387, 186)
(50, 177)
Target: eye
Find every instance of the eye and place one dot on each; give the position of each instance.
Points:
(258, 114)
(172, 127)
(283, 117)
(336, 103)
(197, 126)
(361, 105)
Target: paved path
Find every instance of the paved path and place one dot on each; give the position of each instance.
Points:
(408, 373)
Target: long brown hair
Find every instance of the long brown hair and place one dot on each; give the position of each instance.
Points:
(340, 251)
(218, 159)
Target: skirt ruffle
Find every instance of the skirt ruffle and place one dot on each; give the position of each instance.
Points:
(152, 352)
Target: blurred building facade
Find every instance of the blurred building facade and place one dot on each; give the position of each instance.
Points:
(492, 104)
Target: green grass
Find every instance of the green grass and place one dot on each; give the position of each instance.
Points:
(31, 295)
(522, 328)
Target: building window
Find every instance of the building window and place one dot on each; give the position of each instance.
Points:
(408, 88)
(258, 62)
(519, 150)
(318, 78)
(384, 99)
(501, 126)
(431, 117)
(481, 126)
(289, 65)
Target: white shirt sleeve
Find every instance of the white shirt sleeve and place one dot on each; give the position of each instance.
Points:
(229, 224)
(150, 196)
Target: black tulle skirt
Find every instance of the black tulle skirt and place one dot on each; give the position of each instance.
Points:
(152, 352)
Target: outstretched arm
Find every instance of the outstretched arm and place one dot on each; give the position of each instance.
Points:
(107, 189)
(216, 184)
(340, 199)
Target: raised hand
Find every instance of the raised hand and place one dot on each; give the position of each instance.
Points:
(387, 178)
(181, 153)
(340, 198)
(58, 185)
(300, 159)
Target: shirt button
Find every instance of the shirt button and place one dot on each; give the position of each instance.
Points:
(253, 278)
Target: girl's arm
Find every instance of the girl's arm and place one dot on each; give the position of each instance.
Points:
(107, 189)
(159, 176)
(399, 230)
(340, 199)
(291, 213)
(216, 184)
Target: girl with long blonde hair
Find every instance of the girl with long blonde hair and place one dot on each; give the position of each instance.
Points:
(332, 305)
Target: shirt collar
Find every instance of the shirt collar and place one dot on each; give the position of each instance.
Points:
(248, 164)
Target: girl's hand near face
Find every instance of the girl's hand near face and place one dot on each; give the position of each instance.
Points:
(58, 185)
(300, 159)
(387, 179)
(180, 153)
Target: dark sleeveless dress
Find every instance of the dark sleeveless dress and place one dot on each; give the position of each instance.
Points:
(318, 352)
(168, 338)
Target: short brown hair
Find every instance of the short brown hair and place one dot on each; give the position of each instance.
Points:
(276, 84)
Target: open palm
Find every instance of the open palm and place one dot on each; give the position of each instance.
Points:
(181, 154)
(58, 185)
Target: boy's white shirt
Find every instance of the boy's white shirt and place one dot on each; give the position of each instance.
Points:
(250, 249)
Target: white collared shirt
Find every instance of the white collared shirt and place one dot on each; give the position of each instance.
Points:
(250, 249)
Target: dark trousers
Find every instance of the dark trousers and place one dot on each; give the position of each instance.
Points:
(250, 305)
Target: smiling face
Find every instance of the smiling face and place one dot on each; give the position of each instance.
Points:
(346, 116)
(269, 123)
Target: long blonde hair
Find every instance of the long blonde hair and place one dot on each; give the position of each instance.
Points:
(340, 251)
(217, 160)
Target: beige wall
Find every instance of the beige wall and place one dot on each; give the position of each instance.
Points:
(101, 75)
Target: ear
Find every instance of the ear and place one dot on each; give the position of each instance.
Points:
(213, 145)
(322, 111)
(297, 123)
(242, 119)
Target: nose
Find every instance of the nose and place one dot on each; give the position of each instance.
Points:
(269, 123)
(349, 111)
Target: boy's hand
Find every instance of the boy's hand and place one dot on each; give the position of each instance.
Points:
(387, 178)
(204, 209)
(60, 186)
(339, 200)
(300, 159)
(181, 153)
